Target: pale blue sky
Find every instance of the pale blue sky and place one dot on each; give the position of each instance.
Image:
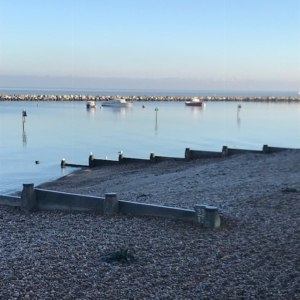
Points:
(222, 44)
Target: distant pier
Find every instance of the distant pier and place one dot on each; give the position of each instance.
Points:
(27, 97)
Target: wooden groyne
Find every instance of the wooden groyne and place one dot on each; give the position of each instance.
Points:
(188, 155)
(208, 216)
(27, 97)
(33, 199)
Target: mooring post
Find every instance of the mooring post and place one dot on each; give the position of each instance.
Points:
(24, 115)
(111, 204)
(211, 217)
(28, 199)
(187, 154)
(238, 109)
(156, 110)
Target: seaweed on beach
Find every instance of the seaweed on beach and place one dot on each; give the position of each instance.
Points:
(121, 256)
(289, 190)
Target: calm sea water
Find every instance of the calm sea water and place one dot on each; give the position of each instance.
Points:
(56, 130)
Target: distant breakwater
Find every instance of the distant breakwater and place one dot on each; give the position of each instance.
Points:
(23, 97)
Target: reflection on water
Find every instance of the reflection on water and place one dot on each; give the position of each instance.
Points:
(119, 110)
(196, 110)
(238, 115)
(156, 110)
(91, 110)
(24, 137)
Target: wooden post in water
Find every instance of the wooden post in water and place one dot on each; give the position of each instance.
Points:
(156, 110)
(238, 114)
(24, 115)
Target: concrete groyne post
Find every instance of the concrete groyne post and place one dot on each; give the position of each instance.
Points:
(63, 163)
(91, 160)
(121, 156)
(211, 217)
(28, 198)
(187, 154)
(266, 149)
(224, 151)
(200, 213)
(111, 204)
(152, 157)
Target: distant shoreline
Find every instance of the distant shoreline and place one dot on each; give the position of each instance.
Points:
(69, 97)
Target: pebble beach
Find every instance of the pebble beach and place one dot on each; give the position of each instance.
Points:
(253, 255)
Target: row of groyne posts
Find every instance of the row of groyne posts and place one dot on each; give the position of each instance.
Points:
(208, 216)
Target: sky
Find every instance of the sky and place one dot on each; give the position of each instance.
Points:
(151, 44)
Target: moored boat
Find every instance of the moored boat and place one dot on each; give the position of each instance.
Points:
(118, 102)
(194, 102)
(90, 104)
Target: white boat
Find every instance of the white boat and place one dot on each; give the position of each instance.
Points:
(90, 104)
(118, 102)
(194, 102)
